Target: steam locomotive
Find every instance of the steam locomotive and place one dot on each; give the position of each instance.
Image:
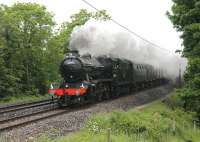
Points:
(88, 79)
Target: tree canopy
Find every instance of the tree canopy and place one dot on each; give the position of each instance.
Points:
(30, 47)
(186, 19)
(25, 31)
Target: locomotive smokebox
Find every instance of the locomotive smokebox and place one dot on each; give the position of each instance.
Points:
(71, 67)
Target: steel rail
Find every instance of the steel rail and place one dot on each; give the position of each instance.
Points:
(22, 123)
(21, 104)
(28, 115)
(25, 106)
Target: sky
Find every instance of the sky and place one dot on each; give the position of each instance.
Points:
(145, 17)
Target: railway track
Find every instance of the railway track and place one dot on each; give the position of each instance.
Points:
(16, 115)
(19, 121)
(17, 107)
(26, 119)
(22, 120)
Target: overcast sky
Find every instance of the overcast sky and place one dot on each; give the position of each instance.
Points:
(145, 17)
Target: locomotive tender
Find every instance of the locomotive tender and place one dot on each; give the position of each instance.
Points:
(87, 78)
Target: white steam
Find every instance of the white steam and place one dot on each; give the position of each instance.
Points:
(105, 38)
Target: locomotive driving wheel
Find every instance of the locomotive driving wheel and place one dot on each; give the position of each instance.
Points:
(99, 92)
(61, 102)
(107, 93)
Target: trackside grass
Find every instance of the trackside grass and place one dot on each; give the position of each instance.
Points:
(22, 98)
(156, 122)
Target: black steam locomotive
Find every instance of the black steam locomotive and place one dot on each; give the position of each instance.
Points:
(87, 78)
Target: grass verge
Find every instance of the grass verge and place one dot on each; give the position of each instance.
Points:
(156, 122)
(22, 98)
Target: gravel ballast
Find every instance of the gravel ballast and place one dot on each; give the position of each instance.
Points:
(74, 120)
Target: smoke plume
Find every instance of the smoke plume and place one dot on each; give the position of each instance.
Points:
(106, 38)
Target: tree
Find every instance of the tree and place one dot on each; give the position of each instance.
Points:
(186, 19)
(30, 49)
(25, 30)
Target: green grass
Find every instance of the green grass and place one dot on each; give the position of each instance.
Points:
(156, 122)
(22, 98)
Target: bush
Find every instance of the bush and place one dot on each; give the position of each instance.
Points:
(154, 122)
(97, 123)
(187, 98)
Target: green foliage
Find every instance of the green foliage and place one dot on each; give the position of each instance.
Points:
(97, 124)
(186, 18)
(25, 30)
(22, 98)
(188, 99)
(135, 122)
(87, 137)
(154, 123)
(30, 49)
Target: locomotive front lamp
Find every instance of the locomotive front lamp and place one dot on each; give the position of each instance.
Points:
(84, 85)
